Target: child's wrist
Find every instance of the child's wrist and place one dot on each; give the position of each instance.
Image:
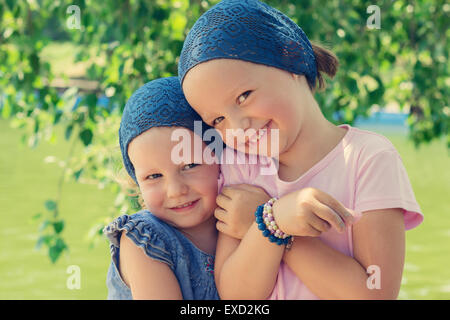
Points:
(268, 226)
(276, 212)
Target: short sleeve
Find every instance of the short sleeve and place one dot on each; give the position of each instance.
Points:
(146, 232)
(383, 183)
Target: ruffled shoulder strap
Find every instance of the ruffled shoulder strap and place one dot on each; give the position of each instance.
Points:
(146, 231)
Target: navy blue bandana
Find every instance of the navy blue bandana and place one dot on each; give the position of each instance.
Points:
(158, 103)
(252, 31)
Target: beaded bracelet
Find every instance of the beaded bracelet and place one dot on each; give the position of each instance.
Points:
(266, 223)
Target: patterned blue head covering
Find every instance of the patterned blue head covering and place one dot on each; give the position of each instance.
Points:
(252, 31)
(158, 103)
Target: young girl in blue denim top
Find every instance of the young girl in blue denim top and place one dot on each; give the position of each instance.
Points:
(167, 251)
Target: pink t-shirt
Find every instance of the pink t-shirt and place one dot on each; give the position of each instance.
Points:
(364, 172)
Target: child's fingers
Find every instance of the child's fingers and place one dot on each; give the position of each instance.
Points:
(220, 214)
(337, 207)
(311, 231)
(319, 224)
(228, 191)
(356, 215)
(221, 227)
(225, 229)
(326, 213)
(222, 201)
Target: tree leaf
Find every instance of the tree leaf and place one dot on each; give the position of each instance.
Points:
(58, 226)
(86, 136)
(50, 205)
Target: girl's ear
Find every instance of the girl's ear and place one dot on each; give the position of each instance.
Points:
(297, 77)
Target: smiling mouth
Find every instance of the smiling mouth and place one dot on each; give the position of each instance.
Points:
(259, 133)
(185, 205)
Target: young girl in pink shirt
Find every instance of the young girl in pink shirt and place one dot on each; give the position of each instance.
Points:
(247, 66)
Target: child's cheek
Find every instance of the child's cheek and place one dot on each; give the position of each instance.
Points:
(206, 180)
(154, 199)
(266, 108)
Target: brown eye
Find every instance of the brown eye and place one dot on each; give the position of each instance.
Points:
(190, 166)
(243, 97)
(216, 121)
(154, 176)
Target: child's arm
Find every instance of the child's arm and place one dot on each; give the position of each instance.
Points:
(147, 278)
(244, 269)
(378, 240)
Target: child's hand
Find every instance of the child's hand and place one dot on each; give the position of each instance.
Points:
(309, 212)
(237, 206)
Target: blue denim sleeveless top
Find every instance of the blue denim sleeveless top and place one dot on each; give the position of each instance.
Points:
(193, 268)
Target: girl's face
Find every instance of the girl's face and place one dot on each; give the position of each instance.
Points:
(183, 195)
(235, 94)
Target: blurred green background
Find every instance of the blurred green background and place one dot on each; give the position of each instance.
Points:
(64, 82)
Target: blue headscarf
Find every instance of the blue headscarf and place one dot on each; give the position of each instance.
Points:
(252, 31)
(158, 103)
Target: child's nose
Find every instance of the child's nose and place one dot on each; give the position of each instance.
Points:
(240, 122)
(245, 123)
(176, 187)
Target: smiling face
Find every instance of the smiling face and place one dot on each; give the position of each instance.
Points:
(183, 195)
(235, 94)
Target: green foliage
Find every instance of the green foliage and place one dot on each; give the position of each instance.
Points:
(403, 63)
(50, 230)
(123, 44)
